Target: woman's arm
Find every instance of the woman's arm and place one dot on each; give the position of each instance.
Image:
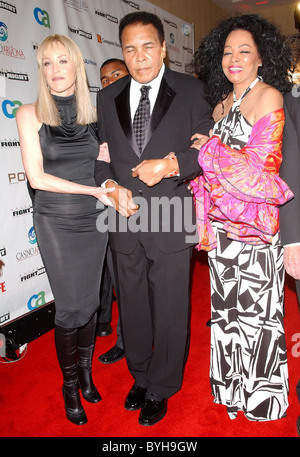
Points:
(28, 127)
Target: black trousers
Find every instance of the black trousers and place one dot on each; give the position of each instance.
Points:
(106, 296)
(154, 302)
(298, 296)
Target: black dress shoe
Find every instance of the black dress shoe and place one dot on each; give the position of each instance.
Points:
(153, 411)
(104, 329)
(135, 398)
(298, 425)
(113, 355)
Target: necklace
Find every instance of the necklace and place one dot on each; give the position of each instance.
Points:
(246, 91)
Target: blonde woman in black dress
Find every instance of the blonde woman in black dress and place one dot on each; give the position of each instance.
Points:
(59, 146)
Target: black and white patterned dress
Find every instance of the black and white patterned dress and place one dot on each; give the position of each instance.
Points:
(248, 369)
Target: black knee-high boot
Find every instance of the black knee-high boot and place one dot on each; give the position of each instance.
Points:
(86, 343)
(66, 348)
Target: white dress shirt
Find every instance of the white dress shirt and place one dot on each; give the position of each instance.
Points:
(135, 92)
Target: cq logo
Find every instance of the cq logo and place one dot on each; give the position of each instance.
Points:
(36, 301)
(9, 108)
(3, 32)
(31, 236)
(42, 17)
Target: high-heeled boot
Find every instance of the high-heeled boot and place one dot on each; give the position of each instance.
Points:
(86, 343)
(66, 348)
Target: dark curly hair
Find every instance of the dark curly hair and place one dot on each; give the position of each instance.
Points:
(144, 18)
(276, 55)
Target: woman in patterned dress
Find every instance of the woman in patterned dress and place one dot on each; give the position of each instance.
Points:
(245, 65)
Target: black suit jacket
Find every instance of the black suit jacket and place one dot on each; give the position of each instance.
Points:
(179, 112)
(290, 170)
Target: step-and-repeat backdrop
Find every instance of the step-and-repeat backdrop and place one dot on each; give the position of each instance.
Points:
(93, 24)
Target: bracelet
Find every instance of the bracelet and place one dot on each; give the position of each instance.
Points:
(171, 156)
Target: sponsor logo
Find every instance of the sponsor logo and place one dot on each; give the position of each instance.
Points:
(175, 62)
(79, 5)
(90, 62)
(11, 51)
(187, 49)
(2, 287)
(16, 178)
(186, 29)
(2, 252)
(9, 143)
(33, 274)
(80, 32)
(132, 4)
(3, 31)
(41, 17)
(8, 7)
(27, 254)
(170, 23)
(32, 236)
(107, 16)
(101, 40)
(22, 212)
(170, 47)
(5, 317)
(14, 76)
(9, 108)
(94, 89)
(36, 300)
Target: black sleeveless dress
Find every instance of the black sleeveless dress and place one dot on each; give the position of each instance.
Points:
(71, 247)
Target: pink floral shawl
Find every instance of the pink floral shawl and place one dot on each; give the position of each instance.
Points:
(242, 188)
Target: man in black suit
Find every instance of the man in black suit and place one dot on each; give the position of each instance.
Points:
(290, 212)
(110, 71)
(151, 240)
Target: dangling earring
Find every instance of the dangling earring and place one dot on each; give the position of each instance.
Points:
(223, 109)
(259, 69)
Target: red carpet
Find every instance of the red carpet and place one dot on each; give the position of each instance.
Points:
(31, 404)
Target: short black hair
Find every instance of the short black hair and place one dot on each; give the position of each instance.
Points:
(108, 61)
(272, 46)
(144, 18)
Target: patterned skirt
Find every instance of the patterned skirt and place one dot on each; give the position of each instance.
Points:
(248, 370)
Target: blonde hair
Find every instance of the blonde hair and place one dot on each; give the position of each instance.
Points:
(47, 112)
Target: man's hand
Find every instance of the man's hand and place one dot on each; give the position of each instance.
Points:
(151, 172)
(199, 140)
(291, 260)
(121, 199)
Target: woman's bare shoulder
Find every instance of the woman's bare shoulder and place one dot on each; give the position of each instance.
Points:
(270, 99)
(28, 110)
(26, 115)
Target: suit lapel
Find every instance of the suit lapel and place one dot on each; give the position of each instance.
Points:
(164, 99)
(163, 102)
(123, 109)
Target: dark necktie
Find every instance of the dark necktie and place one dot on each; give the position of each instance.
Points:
(141, 117)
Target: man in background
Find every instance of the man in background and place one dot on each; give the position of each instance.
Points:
(110, 71)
